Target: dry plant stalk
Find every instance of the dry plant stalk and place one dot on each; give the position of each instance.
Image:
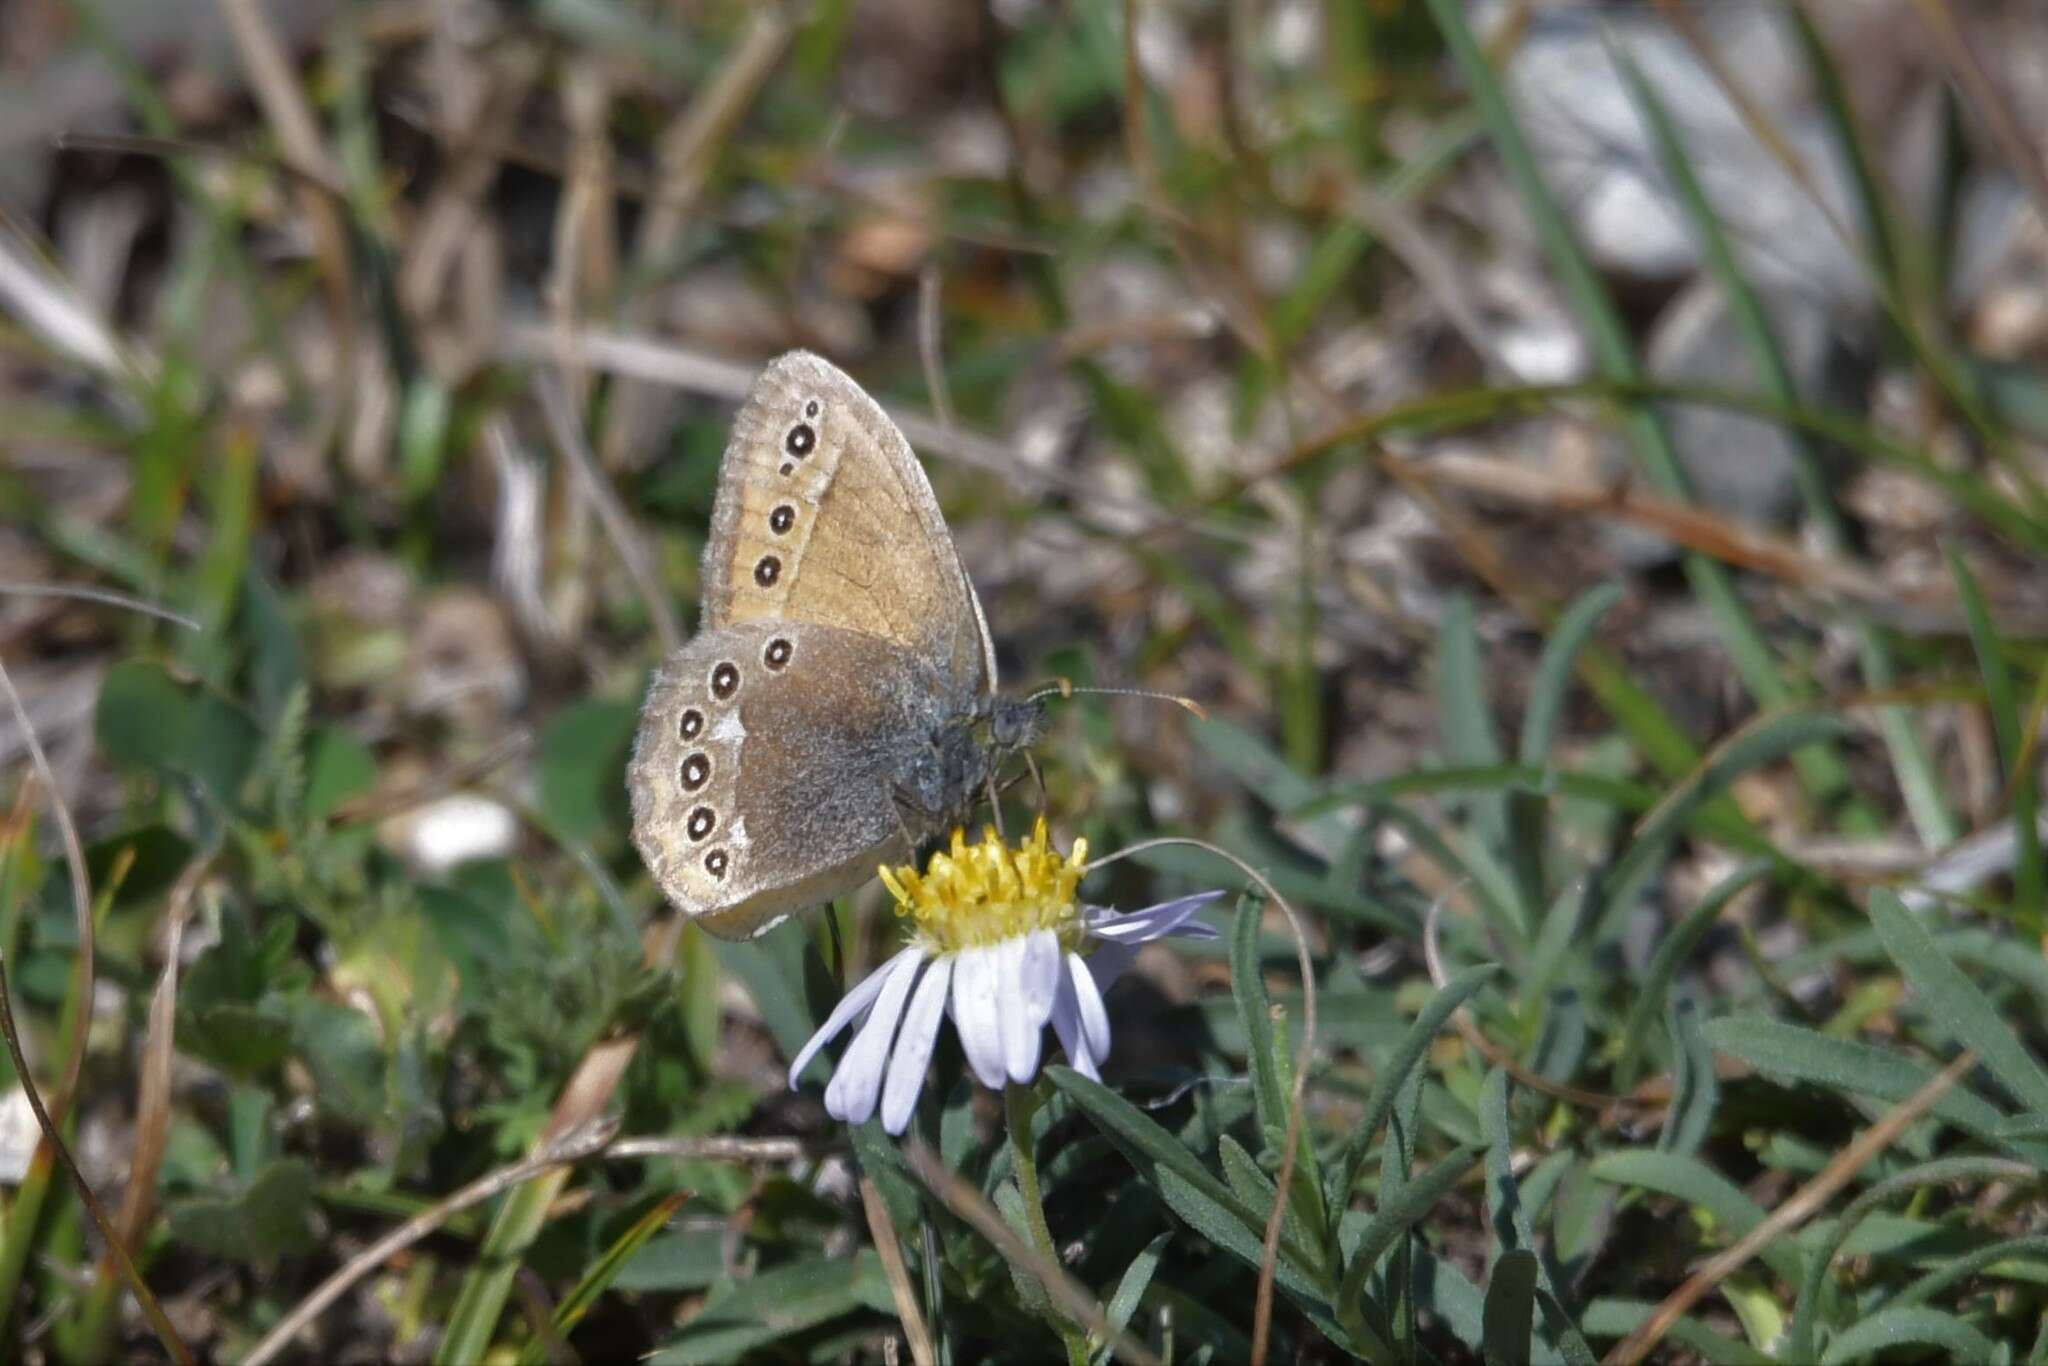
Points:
(1073, 1297)
(889, 1247)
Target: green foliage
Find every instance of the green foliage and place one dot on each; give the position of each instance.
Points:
(1595, 987)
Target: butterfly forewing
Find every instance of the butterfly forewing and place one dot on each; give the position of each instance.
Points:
(824, 515)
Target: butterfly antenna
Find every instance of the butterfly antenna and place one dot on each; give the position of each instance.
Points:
(1065, 688)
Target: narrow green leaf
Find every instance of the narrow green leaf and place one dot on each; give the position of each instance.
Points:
(1618, 1318)
(1255, 1012)
(1907, 1326)
(775, 1304)
(1788, 1050)
(2029, 881)
(1765, 740)
(1208, 1206)
(1130, 1290)
(1672, 951)
(602, 1273)
(1553, 677)
(1387, 1085)
(1956, 1003)
(1694, 1088)
(1395, 1217)
(1690, 1180)
(1509, 1316)
(1820, 1260)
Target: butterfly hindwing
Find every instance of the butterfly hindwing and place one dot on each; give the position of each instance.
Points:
(766, 769)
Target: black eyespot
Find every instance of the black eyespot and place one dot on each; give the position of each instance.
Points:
(777, 653)
(801, 441)
(788, 465)
(767, 570)
(811, 410)
(692, 724)
(701, 823)
(696, 769)
(782, 519)
(725, 680)
(715, 862)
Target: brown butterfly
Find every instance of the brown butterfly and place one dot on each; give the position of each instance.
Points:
(839, 702)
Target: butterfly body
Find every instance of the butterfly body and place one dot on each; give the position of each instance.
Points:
(839, 703)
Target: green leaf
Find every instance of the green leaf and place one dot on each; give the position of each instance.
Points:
(1509, 1317)
(687, 1260)
(1820, 1260)
(1610, 1318)
(1379, 1102)
(581, 770)
(1130, 1290)
(342, 1050)
(1695, 1183)
(266, 1221)
(1402, 1212)
(776, 1304)
(2030, 897)
(338, 767)
(1789, 1050)
(1552, 680)
(1208, 1206)
(1910, 1325)
(1672, 951)
(602, 1274)
(1764, 741)
(1954, 1001)
(1528, 809)
(142, 716)
(1695, 1090)
(1255, 1012)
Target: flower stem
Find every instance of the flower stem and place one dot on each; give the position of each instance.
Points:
(1019, 1104)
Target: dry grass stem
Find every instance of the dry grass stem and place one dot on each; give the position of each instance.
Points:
(611, 513)
(889, 1246)
(1072, 1297)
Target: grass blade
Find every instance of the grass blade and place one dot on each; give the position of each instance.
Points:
(1963, 1010)
(2020, 771)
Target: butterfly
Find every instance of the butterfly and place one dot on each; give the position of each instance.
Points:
(838, 705)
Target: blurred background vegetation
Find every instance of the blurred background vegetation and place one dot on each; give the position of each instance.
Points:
(1589, 459)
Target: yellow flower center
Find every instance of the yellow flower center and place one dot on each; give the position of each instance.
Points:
(974, 895)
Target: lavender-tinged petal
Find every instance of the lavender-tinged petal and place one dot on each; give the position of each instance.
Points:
(851, 1094)
(850, 1005)
(1151, 922)
(1094, 1018)
(975, 1015)
(1066, 1023)
(1020, 1031)
(1111, 960)
(914, 1044)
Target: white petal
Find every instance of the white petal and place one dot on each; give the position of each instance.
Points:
(914, 1045)
(1039, 974)
(1094, 1019)
(850, 1005)
(975, 1017)
(851, 1094)
(1021, 1031)
(1154, 921)
(1066, 1022)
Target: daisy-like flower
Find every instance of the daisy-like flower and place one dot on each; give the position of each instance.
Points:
(999, 942)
